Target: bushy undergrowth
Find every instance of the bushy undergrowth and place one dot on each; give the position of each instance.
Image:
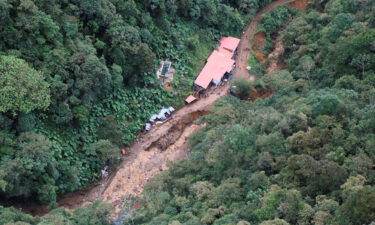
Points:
(303, 155)
(69, 69)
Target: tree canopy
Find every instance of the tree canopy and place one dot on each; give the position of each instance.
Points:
(70, 69)
(23, 89)
(304, 155)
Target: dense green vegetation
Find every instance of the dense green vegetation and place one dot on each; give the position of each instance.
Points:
(272, 23)
(303, 156)
(78, 81)
(242, 88)
(94, 214)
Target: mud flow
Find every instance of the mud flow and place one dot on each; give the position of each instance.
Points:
(176, 131)
(167, 142)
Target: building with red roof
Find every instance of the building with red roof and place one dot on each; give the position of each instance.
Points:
(219, 63)
(229, 43)
(190, 99)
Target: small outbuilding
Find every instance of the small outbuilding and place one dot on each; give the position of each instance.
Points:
(190, 99)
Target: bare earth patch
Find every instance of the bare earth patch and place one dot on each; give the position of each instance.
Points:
(259, 43)
(275, 60)
(130, 179)
(164, 143)
(244, 47)
(300, 4)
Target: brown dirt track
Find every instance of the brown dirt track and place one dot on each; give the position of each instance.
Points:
(146, 159)
(164, 143)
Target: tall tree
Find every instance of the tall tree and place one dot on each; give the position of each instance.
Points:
(22, 89)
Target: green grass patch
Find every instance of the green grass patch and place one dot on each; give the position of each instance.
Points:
(190, 59)
(256, 66)
(198, 56)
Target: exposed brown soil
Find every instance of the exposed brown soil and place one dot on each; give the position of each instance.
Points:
(163, 143)
(131, 178)
(300, 4)
(259, 44)
(168, 87)
(275, 60)
(166, 142)
(255, 94)
(244, 47)
(176, 131)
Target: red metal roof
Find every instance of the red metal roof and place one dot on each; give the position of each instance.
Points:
(229, 43)
(218, 63)
(190, 99)
(226, 52)
(204, 78)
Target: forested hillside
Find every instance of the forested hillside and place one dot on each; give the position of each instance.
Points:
(305, 155)
(77, 81)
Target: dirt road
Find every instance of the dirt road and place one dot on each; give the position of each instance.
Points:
(146, 158)
(245, 44)
(164, 143)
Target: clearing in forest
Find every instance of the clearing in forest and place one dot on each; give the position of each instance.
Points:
(146, 158)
